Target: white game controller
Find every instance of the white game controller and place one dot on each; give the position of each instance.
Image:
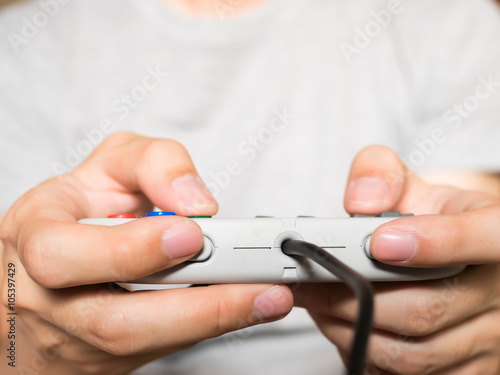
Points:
(249, 251)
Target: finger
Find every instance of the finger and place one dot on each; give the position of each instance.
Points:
(42, 227)
(369, 369)
(62, 345)
(480, 365)
(64, 254)
(431, 354)
(131, 323)
(377, 182)
(440, 240)
(410, 308)
(160, 168)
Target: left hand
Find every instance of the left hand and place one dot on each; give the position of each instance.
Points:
(449, 326)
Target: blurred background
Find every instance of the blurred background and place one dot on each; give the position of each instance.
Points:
(5, 2)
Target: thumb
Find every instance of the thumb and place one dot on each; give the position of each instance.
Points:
(377, 181)
(440, 240)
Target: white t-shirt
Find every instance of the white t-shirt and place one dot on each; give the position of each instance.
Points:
(272, 105)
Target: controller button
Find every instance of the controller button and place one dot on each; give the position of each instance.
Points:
(205, 253)
(366, 247)
(122, 216)
(289, 274)
(362, 215)
(160, 213)
(390, 214)
(199, 217)
(263, 217)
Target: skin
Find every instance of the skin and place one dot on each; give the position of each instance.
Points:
(214, 8)
(70, 319)
(95, 328)
(463, 231)
(435, 327)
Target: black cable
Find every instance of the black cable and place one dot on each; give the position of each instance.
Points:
(359, 285)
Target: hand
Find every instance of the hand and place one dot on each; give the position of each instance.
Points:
(70, 321)
(449, 326)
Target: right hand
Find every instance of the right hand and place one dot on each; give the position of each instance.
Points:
(71, 320)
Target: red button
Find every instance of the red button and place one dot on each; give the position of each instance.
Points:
(122, 216)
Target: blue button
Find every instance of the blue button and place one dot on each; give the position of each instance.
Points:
(160, 213)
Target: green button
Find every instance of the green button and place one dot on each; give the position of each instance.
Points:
(200, 217)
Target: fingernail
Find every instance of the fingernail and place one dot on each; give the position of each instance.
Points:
(367, 190)
(193, 192)
(181, 240)
(394, 246)
(273, 303)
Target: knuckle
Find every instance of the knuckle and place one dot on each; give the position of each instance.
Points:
(36, 260)
(425, 317)
(129, 258)
(221, 323)
(123, 259)
(173, 145)
(178, 157)
(418, 360)
(394, 170)
(159, 149)
(50, 343)
(118, 139)
(108, 330)
(455, 233)
(221, 316)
